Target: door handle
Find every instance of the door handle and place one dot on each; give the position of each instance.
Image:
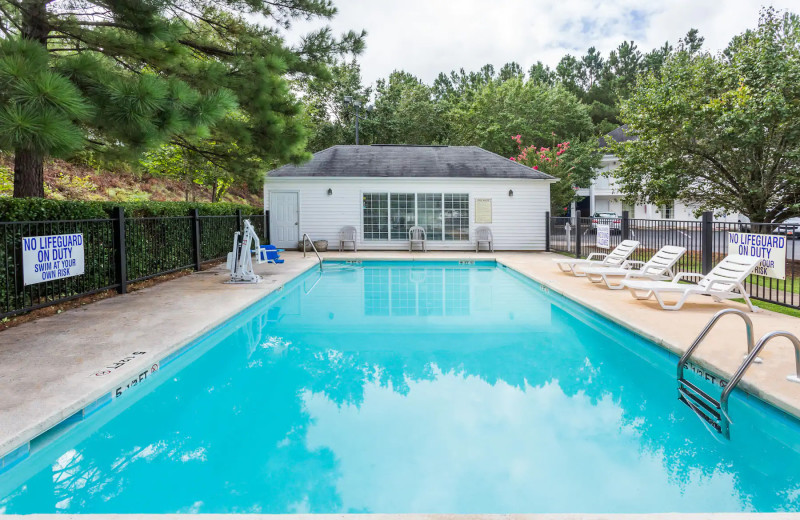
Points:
(296, 223)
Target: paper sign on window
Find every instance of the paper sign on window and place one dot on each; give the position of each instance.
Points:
(483, 211)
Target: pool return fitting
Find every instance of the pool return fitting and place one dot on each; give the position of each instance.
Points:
(713, 411)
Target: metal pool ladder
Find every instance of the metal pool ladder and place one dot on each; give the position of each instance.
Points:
(307, 239)
(713, 411)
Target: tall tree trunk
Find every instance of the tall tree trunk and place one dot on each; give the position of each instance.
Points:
(29, 165)
(214, 191)
(28, 174)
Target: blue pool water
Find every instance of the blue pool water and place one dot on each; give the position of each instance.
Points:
(401, 388)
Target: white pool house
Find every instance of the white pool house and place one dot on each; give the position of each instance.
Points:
(382, 191)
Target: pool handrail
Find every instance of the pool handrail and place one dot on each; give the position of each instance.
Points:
(710, 325)
(752, 356)
(307, 239)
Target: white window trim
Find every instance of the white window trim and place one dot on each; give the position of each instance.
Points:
(390, 240)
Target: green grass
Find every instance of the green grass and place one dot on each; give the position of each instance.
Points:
(774, 307)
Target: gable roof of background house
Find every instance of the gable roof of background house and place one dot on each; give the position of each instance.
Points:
(619, 134)
(409, 161)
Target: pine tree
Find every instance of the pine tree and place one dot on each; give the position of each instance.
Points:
(119, 77)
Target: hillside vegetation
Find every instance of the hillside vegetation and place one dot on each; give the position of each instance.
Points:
(70, 181)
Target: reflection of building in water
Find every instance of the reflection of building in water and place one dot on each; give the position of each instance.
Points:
(417, 292)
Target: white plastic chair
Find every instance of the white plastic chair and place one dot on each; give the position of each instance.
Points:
(416, 235)
(613, 259)
(659, 267)
(723, 282)
(483, 235)
(347, 235)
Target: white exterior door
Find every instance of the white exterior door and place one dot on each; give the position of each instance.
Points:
(284, 219)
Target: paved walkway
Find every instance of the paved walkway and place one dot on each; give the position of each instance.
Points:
(49, 367)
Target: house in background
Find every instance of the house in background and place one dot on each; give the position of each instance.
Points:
(605, 196)
(384, 190)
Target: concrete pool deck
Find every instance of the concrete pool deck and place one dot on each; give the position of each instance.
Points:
(49, 367)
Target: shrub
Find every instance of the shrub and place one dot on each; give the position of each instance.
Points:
(35, 209)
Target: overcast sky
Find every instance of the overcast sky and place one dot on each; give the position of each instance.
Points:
(426, 37)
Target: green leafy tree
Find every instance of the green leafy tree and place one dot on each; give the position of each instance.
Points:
(125, 76)
(721, 132)
(174, 162)
(534, 110)
(406, 113)
(574, 166)
(329, 119)
(541, 73)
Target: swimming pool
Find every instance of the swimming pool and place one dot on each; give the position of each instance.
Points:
(412, 387)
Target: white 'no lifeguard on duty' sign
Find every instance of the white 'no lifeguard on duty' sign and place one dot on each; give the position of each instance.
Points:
(51, 257)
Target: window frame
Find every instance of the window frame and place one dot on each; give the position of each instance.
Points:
(389, 193)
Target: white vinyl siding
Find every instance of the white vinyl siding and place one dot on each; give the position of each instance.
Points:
(517, 221)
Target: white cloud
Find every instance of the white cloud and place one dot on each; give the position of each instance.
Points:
(461, 445)
(426, 37)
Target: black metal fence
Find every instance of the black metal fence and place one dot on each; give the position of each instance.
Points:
(706, 243)
(117, 251)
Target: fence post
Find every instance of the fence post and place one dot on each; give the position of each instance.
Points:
(239, 220)
(120, 257)
(626, 227)
(578, 234)
(547, 231)
(266, 226)
(707, 241)
(195, 222)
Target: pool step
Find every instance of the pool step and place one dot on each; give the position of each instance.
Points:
(705, 406)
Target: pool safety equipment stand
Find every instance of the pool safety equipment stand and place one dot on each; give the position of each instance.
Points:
(713, 411)
(240, 260)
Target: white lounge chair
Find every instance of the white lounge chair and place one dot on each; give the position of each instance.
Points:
(347, 236)
(416, 236)
(723, 282)
(659, 267)
(483, 235)
(614, 259)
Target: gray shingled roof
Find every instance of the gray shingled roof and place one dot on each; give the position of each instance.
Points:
(620, 135)
(409, 161)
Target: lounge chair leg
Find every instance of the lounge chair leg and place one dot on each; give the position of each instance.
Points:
(611, 285)
(674, 307)
(635, 294)
(749, 303)
(595, 278)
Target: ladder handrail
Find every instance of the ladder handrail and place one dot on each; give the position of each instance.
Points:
(766, 338)
(306, 237)
(710, 325)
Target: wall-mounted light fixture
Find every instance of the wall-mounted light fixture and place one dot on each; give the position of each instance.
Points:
(510, 193)
(330, 192)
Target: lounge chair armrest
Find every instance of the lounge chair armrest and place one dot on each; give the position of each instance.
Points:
(729, 285)
(595, 254)
(629, 264)
(681, 275)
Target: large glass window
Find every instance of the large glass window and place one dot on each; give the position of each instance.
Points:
(429, 214)
(402, 214)
(456, 216)
(389, 216)
(376, 216)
